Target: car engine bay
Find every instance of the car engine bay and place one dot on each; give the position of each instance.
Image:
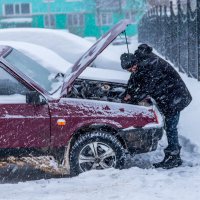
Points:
(98, 90)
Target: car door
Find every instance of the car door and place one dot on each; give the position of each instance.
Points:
(21, 124)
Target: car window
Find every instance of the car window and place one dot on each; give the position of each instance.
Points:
(11, 90)
(39, 74)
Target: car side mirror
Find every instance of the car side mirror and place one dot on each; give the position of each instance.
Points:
(34, 98)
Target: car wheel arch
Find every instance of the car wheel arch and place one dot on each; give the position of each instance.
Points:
(97, 127)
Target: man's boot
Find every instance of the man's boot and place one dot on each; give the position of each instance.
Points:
(172, 159)
(160, 164)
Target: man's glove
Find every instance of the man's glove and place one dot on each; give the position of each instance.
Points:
(145, 102)
(126, 99)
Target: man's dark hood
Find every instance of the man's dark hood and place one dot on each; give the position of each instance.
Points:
(143, 52)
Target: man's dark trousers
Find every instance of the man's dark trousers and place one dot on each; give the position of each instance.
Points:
(171, 123)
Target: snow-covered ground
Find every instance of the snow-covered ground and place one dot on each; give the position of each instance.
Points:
(139, 181)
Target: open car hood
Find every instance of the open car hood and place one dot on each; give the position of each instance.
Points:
(87, 58)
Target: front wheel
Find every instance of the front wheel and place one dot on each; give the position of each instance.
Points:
(96, 150)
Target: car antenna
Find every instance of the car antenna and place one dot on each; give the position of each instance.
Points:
(126, 41)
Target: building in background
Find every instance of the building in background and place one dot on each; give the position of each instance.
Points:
(82, 17)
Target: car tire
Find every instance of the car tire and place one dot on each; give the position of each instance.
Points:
(96, 150)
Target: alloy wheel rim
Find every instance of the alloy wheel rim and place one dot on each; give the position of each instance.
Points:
(96, 155)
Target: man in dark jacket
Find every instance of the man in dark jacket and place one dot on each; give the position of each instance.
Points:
(152, 76)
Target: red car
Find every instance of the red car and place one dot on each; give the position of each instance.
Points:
(82, 123)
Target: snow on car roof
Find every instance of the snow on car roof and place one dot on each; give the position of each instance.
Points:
(67, 45)
(57, 64)
(40, 54)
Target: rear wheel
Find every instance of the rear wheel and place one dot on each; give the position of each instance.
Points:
(96, 150)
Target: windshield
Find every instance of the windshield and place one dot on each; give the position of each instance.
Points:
(38, 73)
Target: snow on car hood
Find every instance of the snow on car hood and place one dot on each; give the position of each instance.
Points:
(87, 58)
(98, 74)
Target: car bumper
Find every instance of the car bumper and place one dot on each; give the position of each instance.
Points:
(141, 140)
